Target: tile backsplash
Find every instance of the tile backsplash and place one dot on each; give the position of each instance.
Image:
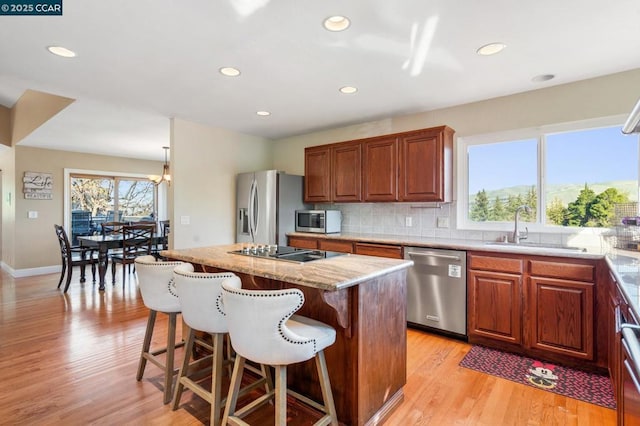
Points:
(438, 220)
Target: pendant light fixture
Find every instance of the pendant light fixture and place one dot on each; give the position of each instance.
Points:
(165, 176)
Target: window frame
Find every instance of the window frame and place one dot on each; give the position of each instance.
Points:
(160, 191)
(539, 133)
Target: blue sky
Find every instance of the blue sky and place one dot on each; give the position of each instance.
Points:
(597, 155)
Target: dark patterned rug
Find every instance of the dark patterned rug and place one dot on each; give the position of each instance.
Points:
(589, 387)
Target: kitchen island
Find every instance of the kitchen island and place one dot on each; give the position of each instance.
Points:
(362, 297)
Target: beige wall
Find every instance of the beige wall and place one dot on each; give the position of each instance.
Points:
(35, 243)
(206, 162)
(599, 97)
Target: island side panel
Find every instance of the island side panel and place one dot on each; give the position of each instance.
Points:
(341, 357)
(367, 363)
(382, 338)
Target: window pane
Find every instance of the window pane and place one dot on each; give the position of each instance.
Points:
(91, 197)
(502, 176)
(135, 199)
(587, 173)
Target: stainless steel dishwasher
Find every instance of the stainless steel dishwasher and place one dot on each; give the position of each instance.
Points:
(437, 290)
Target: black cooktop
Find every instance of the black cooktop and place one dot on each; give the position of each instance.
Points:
(285, 253)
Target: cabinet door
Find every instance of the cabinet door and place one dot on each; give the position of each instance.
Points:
(346, 179)
(426, 171)
(495, 306)
(381, 250)
(308, 243)
(560, 316)
(380, 169)
(317, 174)
(336, 245)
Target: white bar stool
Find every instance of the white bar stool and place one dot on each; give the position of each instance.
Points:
(263, 329)
(155, 280)
(200, 298)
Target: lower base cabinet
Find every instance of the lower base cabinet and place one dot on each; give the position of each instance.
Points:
(538, 306)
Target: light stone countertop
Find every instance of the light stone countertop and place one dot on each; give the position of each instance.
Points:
(327, 274)
(624, 264)
(458, 244)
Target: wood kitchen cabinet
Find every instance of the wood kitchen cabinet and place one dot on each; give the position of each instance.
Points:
(561, 301)
(381, 250)
(380, 165)
(411, 166)
(341, 246)
(317, 174)
(333, 173)
(539, 306)
(426, 165)
(346, 175)
(494, 288)
(305, 243)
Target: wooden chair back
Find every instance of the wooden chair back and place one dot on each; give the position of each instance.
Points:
(137, 239)
(111, 228)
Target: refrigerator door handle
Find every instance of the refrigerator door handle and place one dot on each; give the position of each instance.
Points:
(256, 208)
(252, 212)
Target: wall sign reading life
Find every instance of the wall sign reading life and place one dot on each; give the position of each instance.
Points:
(31, 7)
(37, 186)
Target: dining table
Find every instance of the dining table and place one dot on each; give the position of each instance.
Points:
(105, 243)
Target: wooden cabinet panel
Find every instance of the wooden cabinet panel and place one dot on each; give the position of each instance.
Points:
(495, 306)
(300, 242)
(562, 270)
(561, 316)
(382, 250)
(336, 245)
(346, 179)
(317, 174)
(380, 169)
(493, 263)
(426, 171)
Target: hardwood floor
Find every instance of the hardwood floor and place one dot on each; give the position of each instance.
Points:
(71, 359)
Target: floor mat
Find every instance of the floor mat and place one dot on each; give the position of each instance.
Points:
(589, 387)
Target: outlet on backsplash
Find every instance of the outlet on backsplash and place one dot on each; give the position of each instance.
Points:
(407, 221)
(443, 222)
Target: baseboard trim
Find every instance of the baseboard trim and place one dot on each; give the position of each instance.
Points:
(29, 272)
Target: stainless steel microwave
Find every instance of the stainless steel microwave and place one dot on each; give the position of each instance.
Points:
(318, 221)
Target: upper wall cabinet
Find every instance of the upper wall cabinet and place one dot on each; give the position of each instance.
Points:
(317, 178)
(346, 175)
(380, 169)
(410, 166)
(426, 165)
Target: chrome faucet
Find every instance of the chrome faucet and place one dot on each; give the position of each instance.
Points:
(516, 233)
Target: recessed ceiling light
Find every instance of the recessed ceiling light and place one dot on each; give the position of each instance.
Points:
(542, 78)
(491, 49)
(230, 71)
(336, 23)
(348, 89)
(61, 51)
(263, 113)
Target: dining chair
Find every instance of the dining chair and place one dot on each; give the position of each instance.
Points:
(74, 256)
(264, 329)
(137, 240)
(111, 228)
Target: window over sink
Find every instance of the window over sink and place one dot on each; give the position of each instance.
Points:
(571, 175)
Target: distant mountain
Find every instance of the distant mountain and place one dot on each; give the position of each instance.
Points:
(565, 192)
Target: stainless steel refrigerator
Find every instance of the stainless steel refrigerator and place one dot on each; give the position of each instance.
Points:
(266, 202)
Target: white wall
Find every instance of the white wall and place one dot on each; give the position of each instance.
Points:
(205, 161)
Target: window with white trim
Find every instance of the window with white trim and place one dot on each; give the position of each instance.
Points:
(573, 175)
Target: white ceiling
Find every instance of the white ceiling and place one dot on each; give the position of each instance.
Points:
(141, 62)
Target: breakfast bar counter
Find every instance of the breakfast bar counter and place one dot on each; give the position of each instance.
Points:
(362, 297)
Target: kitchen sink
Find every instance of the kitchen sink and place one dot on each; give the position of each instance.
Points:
(533, 246)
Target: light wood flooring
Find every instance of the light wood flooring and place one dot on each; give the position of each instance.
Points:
(71, 359)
